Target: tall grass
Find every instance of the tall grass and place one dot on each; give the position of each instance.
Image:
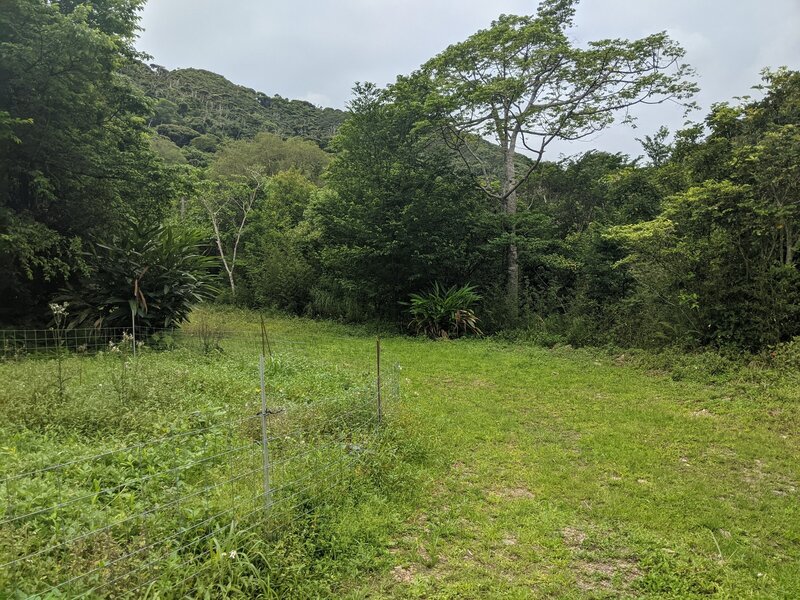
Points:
(344, 481)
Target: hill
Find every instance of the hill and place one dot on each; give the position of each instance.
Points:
(198, 109)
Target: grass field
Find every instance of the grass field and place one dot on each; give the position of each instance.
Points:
(569, 475)
(505, 470)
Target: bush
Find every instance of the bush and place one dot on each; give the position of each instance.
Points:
(279, 275)
(155, 272)
(445, 313)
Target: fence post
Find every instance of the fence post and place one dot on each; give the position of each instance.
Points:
(378, 355)
(264, 432)
(133, 332)
(265, 345)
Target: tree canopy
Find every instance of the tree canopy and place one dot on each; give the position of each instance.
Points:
(429, 203)
(523, 83)
(73, 153)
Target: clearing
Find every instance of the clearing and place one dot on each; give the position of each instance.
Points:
(534, 473)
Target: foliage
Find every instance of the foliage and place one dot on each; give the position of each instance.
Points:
(154, 273)
(169, 152)
(179, 134)
(398, 215)
(720, 257)
(523, 84)
(278, 242)
(270, 154)
(210, 104)
(208, 142)
(227, 204)
(345, 214)
(74, 157)
(444, 313)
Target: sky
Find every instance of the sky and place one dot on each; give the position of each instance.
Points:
(316, 50)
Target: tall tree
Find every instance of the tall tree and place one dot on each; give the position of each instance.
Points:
(398, 215)
(522, 83)
(74, 157)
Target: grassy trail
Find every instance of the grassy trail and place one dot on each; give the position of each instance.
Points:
(562, 474)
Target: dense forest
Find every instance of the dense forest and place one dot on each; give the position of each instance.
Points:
(126, 187)
(196, 110)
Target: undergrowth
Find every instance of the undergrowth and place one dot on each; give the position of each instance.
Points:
(173, 522)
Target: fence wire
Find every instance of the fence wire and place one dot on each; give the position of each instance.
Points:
(124, 520)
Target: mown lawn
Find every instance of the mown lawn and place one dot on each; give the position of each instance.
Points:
(506, 470)
(567, 474)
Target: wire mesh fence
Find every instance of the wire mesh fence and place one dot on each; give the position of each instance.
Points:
(125, 519)
(17, 344)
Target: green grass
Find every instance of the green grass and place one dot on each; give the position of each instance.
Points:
(505, 470)
(569, 475)
(337, 481)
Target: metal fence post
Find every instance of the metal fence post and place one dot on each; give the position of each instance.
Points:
(133, 332)
(264, 432)
(378, 355)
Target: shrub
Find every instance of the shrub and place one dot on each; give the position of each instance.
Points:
(445, 313)
(155, 272)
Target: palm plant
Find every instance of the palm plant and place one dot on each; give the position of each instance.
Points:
(444, 313)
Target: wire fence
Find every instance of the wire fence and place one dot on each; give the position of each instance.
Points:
(18, 344)
(155, 514)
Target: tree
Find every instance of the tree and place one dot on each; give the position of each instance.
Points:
(74, 156)
(271, 154)
(776, 170)
(228, 204)
(239, 178)
(721, 257)
(279, 271)
(398, 215)
(523, 84)
(656, 147)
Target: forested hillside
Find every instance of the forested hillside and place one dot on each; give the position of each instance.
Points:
(196, 110)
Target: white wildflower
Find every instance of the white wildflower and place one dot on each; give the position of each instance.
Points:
(59, 310)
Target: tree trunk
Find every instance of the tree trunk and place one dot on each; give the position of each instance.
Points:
(233, 285)
(510, 210)
(228, 268)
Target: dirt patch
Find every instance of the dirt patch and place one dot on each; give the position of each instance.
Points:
(423, 554)
(482, 384)
(759, 476)
(514, 493)
(510, 540)
(403, 574)
(609, 574)
(703, 412)
(573, 537)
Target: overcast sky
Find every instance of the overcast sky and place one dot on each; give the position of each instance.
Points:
(316, 49)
